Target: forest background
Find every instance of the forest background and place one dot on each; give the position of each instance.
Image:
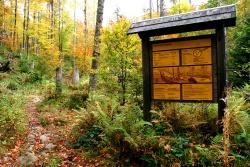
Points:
(95, 72)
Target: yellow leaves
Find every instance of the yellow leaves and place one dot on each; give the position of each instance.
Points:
(51, 55)
(181, 7)
(8, 41)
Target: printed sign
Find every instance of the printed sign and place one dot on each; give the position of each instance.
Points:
(183, 70)
(167, 91)
(166, 58)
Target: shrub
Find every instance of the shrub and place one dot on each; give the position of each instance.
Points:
(122, 130)
(179, 135)
(76, 100)
(90, 139)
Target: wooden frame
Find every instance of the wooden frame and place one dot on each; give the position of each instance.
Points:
(213, 64)
(215, 18)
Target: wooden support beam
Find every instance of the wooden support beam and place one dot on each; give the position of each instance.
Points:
(146, 67)
(221, 69)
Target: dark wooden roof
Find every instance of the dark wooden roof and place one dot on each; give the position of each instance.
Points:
(193, 21)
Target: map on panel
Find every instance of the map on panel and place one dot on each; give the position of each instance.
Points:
(184, 74)
(183, 70)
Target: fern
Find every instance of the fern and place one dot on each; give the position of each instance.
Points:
(239, 119)
(125, 129)
(217, 139)
(208, 155)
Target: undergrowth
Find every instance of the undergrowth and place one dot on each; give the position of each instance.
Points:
(13, 119)
(178, 135)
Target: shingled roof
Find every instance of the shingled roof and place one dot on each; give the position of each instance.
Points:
(198, 20)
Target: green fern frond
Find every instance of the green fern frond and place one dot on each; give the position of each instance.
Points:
(239, 118)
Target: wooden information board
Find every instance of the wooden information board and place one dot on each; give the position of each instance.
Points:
(183, 70)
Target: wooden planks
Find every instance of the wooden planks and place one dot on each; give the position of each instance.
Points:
(166, 58)
(197, 91)
(182, 44)
(183, 70)
(166, 91)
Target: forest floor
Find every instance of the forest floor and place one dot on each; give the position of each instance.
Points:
(47, 140)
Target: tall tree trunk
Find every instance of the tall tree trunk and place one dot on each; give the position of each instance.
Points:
(58, 80)
(52, 26)
(59, 68)
(15, 28)
(85, 33)
(60, 26)
(157, 6)
(27, 29)
(75, 79)
(162, 9)
(37, 29)
(24, 23)
(34, 39)
(150, 9)
(97, 41)
(11, 32)
(2, 23)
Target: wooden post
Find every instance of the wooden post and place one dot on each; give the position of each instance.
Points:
(146, 67)
(221, 68)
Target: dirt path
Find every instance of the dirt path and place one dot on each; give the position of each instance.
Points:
(43, 146)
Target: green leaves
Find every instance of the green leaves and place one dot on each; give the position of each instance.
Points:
(239, 54)
(120, 63)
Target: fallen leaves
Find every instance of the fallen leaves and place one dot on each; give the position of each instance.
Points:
(58, 136)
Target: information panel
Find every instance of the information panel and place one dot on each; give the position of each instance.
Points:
(183, 70)
(166, 58)
(167, 91)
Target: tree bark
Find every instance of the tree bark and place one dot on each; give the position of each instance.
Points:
(2, 23)
(59, 76)
(150, 9)
(85, 33)
(27, 29)
(15, 24)
(76, 79)
(97, 41)
(157, 6)
(52, 26)
(24, 23)
(59, 80)
(162, 10)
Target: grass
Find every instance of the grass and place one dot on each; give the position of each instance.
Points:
(13, 119)
(15, 89)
